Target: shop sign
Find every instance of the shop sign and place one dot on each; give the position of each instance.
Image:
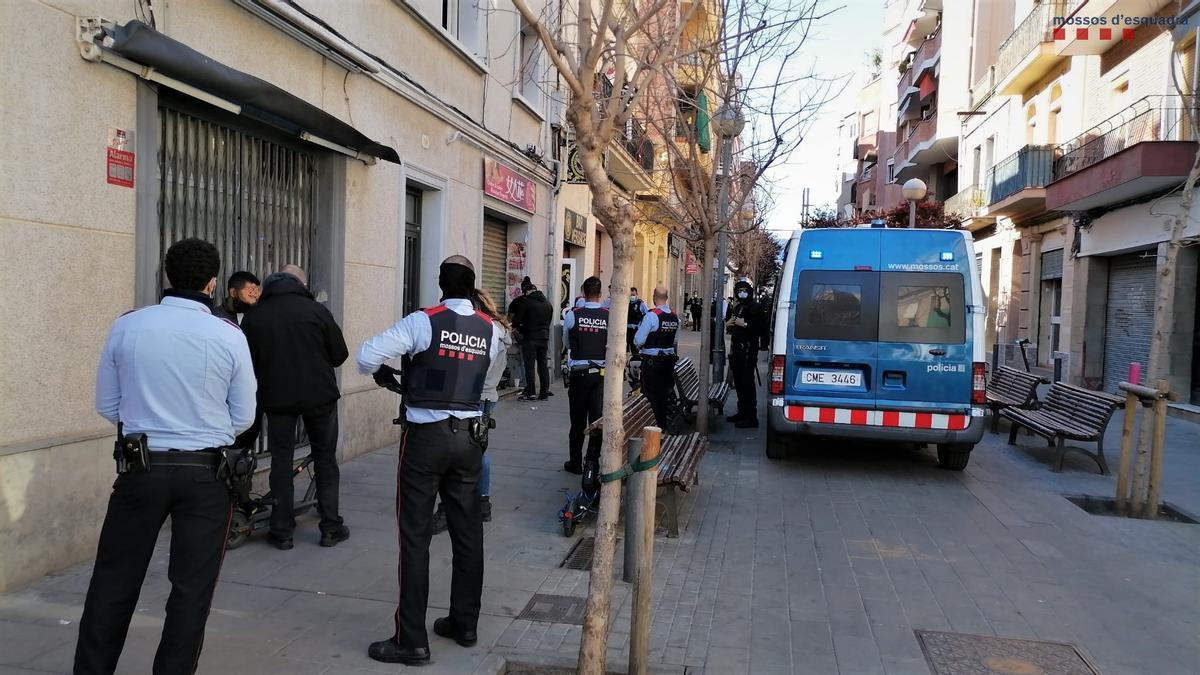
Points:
(504, 183)
(693, 267)
(120, 160)
(575, 228)
(675, 245)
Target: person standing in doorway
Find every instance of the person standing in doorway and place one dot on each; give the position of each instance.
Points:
(296, 345)
(241, 293)
(449, 349)
(747, 327)
(587, 334)
(179, 380)
(656, 338)
(532, 321)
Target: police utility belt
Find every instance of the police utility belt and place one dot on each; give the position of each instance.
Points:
(587, 369)
(234, 466)
(478, 427)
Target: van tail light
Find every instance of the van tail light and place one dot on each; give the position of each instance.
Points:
(776, 375)
(979, 383)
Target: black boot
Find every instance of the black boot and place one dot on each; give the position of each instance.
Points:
(388, 651)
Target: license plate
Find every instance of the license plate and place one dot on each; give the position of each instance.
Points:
(831, 378)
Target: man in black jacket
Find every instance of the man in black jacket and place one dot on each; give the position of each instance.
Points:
(295, 344)
(747, 325)
(531, 319)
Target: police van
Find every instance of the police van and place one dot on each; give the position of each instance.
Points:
(878, 337)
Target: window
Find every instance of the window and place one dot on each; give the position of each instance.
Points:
(977, 158)
(837, 305)
(685, 121)
(461, 19)
(924, 307)
(891, 168)
(530, 65)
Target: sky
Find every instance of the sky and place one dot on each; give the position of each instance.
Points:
(837, 47)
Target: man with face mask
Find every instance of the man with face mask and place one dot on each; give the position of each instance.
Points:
(637, 312)
(447, 350)
(241, 293)
(747, 331)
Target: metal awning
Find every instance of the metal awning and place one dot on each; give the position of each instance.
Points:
(251, 96)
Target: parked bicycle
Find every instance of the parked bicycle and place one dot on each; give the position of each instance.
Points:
(254, 514)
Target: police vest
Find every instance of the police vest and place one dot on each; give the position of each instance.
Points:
(635, 313)
(449, 374)
(589, 335)
(664, 337)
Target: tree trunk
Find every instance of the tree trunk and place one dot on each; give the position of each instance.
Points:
(708, 288)
(618, 219)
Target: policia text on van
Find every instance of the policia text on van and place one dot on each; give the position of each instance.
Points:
(879, 337)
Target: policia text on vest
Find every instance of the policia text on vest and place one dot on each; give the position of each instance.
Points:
(655, 338)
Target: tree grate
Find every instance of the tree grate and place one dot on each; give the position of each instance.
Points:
(964, 654)
(555, 609)
(580, 555)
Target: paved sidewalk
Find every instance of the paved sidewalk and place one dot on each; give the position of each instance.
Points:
(823, 563)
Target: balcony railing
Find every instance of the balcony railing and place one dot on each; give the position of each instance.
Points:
(1029, 167)
(1035, 29)
(1154, 118)
(984, 87)
(637, 143)
(927, 51)
(967, 203)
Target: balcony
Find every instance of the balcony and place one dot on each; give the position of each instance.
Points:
(914, 87)
(865, 149)
(923, 149)
(983, 89)
(971, 207)
(922, 20)
(1095, 40)
(632, 165)
(1016, 186)
(1148, 147)
(1029, 52)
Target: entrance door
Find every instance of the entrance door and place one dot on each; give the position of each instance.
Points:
(1130, 322)
(1050, 307)
(412, 251)
(495, 250)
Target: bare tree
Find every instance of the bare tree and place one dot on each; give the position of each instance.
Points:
(750, 69)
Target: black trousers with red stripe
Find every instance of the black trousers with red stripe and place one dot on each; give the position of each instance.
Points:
(199, 507)
(438, 458)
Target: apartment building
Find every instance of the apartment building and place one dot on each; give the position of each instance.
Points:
(363, 144)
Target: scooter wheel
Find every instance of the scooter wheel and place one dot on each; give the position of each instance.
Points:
(568, 518)
(239, 530)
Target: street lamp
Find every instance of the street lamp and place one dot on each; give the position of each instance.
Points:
(914, 190)
(728, 123)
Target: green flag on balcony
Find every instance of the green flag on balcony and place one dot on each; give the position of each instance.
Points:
(702, 136)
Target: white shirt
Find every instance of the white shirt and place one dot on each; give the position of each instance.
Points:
(412, 335)
(650, 324)
(178, 374)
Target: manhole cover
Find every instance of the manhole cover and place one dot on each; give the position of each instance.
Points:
(580, 555)
(962, 654)
(554, 609)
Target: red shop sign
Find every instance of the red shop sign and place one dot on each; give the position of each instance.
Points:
(504, 183)
(120, 167)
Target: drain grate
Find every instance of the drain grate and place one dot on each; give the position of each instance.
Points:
(580, 555)
(963, 654)
(554, 609)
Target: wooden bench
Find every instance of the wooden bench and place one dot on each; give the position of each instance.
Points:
(681, 455)
(1069, 412)
(687, 379)
(677, 469)
(1011, 388)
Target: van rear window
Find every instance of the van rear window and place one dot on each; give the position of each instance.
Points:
(886, 307)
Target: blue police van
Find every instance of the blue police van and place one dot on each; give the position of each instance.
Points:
(878, 337)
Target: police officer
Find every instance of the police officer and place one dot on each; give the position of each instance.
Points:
(587, 336)
(747, 331)
(637, 312)
(656, 339)
(183, 378)
(449, 348)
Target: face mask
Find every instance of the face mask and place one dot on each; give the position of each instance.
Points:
(633, 297)
(743, 295)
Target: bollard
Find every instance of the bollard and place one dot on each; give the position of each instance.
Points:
(644, 484)
(1156, 449)
(1058, 369)
(633, 508)
(1123, 467)
(1135, 372)
(995, 356)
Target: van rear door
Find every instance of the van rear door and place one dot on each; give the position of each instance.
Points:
(925, 358)
(834, 325)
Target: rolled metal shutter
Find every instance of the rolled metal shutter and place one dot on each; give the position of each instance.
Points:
(495, 252)
(1130, 322)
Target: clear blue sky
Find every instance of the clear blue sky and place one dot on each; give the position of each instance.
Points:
(837, 47)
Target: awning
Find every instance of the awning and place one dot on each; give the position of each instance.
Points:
(258, 99)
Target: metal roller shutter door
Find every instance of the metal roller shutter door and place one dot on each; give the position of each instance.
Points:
(1130, 322)
(495, 252)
